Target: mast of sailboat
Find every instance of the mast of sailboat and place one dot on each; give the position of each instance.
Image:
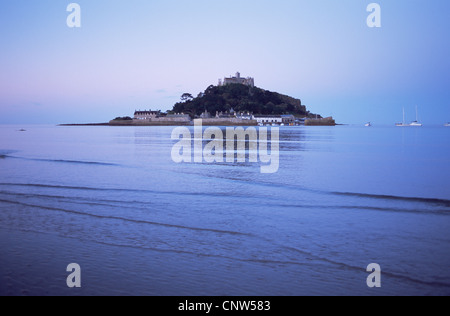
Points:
(404, 121)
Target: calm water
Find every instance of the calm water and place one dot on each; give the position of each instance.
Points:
(112, 200)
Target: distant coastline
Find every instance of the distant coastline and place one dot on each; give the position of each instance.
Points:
(87, 124)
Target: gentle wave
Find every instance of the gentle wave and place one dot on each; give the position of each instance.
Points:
(253, 182)
(433, 201)
(78, 188)
(120, 204)
(80, 162)
(386, 273)
(6, 152)
(182, 251)
(125, 219)
(442, 202)
(76, 199)
(370, 208)
(429, 201)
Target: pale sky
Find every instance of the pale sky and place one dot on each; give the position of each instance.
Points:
(141, 54)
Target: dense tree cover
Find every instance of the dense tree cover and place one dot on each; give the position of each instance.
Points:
(125, 118)
(241, 98)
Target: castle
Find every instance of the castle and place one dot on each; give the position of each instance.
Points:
(237, 80)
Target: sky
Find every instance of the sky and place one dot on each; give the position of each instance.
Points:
(142, 54)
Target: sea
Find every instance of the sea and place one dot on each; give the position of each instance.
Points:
(113, 201)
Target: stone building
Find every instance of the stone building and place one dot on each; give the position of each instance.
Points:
(238, 80)
(146, 115)
(157, 116)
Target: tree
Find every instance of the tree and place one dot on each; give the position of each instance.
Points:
(125, 118)
(187, 97)
(242, 99)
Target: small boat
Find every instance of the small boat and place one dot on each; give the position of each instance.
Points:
(368, 124)
(447, 125)
(402, 124)
(412, 124)
(416, 122)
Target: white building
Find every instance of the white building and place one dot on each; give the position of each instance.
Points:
(244, 116)
(268, 119)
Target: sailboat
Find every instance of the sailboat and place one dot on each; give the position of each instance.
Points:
(416, 122)
(402, 124)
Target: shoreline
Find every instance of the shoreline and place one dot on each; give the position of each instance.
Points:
(191, 123)
(162, 125)
(228, 121)
(86, 124)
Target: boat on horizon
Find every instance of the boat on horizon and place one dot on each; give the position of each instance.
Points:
(368, 125)
(403, 124)
(447, 125)
(416, 122)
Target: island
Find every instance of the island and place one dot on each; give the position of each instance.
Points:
(235, 101)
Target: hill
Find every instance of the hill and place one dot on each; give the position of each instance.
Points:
(240, 98)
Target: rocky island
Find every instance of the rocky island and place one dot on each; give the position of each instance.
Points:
(235, 101)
